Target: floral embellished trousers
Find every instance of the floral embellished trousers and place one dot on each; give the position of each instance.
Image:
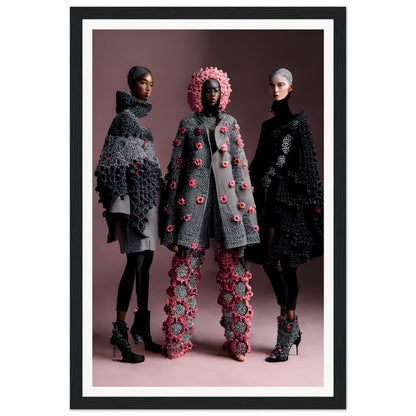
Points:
(234, 297)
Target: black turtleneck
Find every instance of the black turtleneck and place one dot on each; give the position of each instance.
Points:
(282, 111)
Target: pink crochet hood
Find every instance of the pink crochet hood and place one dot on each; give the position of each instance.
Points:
(195, 88)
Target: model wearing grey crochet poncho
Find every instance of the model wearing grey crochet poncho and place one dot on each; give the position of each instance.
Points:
(128, 181)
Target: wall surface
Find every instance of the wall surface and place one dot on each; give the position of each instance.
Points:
(173, 55)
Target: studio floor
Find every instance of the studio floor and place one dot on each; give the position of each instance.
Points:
(207, 365)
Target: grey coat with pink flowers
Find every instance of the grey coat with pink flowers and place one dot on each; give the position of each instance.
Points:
(199, 180)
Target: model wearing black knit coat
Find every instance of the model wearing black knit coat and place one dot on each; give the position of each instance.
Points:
(292, 202)
(289, 199)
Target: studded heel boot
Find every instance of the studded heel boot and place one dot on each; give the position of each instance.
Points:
(120, 340)
(140, 331)
(288, 334)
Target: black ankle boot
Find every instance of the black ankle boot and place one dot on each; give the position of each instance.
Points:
(288, 334)
(120, 340)
(140, 331)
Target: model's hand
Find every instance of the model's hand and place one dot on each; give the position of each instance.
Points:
(266, 181)
(173, 247)
(179, 250)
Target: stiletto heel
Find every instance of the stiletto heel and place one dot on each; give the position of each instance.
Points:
(120, 340)
(297, 342)
(288, 334)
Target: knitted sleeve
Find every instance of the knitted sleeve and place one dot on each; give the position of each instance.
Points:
(239, 165)
(168, 223)
(111, 171)
(243, 186)
(306, 174)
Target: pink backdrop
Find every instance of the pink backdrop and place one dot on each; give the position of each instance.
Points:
(173, 55)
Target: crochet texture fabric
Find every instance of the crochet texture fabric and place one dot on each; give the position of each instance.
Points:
(128, 163)
(193, 165)
(235, 293)
(286, 160)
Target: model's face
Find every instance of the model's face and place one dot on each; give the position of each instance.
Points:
(142, 87)
(211, 92)
(279, 87)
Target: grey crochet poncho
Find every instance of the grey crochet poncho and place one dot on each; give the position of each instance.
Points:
(128, 164)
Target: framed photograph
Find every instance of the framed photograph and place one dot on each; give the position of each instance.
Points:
(247, 44)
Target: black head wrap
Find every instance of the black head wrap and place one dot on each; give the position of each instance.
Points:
(135, 73)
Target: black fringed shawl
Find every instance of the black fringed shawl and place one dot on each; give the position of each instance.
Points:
(286, 158)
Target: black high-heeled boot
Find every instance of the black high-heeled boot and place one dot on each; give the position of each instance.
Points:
(120, 340)
(140, 331)
(288, 334)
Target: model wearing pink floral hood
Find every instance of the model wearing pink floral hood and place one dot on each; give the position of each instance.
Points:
(208, 194)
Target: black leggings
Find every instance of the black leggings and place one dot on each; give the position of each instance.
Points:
(138, 264)
(285, 282)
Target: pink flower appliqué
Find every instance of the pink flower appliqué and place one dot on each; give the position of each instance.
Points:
(224, 164)
(236, 218)
(200, 200)
(170, 228)
(194, 245)
(197, 131)
(191, 182)
(198, 145)
(224, 129)
(172, 185)
(237, 127)
(197, 162)
(231, 184)
(181, 202)
(244, 185)
(252, 209)
(176, 142)
(241, 205)
(256, 228)
(223, 148)
(182, 129)
(237, 161)
(223, 199)
(187, 217)
(240, 142)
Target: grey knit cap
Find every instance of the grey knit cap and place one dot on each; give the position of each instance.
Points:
(135, 73)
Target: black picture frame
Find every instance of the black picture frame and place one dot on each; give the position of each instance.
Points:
(338, 400)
